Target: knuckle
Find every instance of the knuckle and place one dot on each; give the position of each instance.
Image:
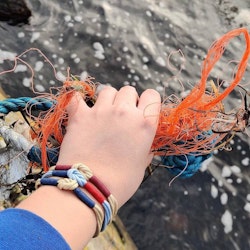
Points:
(130, 88)
(122, 109)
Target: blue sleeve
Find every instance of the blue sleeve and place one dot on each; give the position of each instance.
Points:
(21, 230)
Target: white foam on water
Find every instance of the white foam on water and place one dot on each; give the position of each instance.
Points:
(235, 169)
(226, 171)
(67, 18)
(46, 43)
(214, 191)
(84, 75)
(98, 46)
(125, 49)
(239, 180)
(99, 51)
(78, 18)
(38, 65)
(20, 68)
(160, 61)
(145, 59)
(77, 60)
(247, 207)
(60, 60)
(148, 13)
(243, 152)
(26, 82)
(248, 197)
(224, 198)
(34, 37)
(245, 161)
(159, 88)
(70, 25)
(40, 88)
(60, 76)
(73, 55)
(227, 221)
(20, 34)
(243, 16)
(7, 55)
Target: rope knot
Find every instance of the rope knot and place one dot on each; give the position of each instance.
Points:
(74, 174)
(83, 169)
(67, 184)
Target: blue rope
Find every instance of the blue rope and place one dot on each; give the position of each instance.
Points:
(177, 163)
(187, 164)
(17, 104)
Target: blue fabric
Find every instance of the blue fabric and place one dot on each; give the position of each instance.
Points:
(23, 230)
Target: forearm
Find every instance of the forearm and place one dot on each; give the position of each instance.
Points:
(65, 212)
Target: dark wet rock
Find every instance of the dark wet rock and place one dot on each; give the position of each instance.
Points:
(14, 12)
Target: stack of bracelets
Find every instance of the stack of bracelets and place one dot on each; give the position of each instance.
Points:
(75, 178)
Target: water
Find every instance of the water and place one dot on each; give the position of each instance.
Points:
(136, 43)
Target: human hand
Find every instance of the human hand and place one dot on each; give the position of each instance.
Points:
(113, 138)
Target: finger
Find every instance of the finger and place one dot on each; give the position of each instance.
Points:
(149, 96)
(106, 96)
(150, 103)
(127, 94)
(76, 103)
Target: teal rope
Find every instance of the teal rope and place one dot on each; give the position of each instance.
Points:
(186, 165)
(18, 104)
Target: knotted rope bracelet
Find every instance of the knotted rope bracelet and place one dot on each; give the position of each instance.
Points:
(79, 175)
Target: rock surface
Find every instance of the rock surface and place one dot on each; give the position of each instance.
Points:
(14, 12)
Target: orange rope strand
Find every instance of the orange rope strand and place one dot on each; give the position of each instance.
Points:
(193, 117)
(52, 123)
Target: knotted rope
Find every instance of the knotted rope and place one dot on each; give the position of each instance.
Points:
(18, 104)
(184, 165)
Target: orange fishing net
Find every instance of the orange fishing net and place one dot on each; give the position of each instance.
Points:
(186, 126)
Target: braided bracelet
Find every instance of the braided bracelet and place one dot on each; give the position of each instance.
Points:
(70, 178)
(94, 180)
(68, 184)
(74, 174)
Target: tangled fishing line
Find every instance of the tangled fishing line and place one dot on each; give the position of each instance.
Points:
(189, 129)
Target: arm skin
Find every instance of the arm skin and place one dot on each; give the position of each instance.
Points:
(113, 138)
